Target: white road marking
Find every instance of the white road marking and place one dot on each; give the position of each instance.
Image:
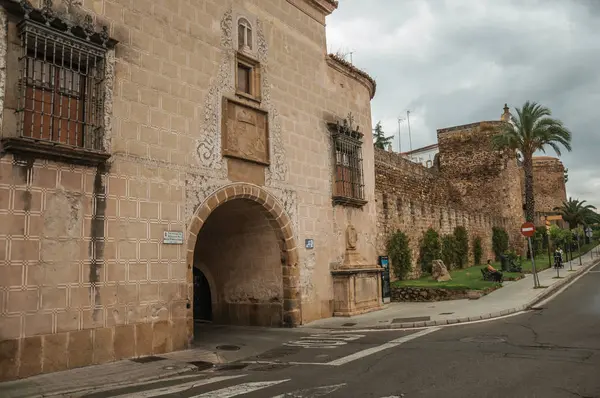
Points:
(239, 389)
(565, 287)
(177, 388)
(324, 340)
(390, 344)
(312, 392)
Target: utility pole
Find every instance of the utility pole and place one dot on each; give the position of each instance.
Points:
(399, 136)
(409, 136)
(351, 52)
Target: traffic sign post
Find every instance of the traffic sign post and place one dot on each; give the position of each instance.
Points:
(528, 230)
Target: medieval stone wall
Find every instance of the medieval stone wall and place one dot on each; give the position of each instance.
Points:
(412, 198)
(85, 275)
(548, 184)
(488, 180)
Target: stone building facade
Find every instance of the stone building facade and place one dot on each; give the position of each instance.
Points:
(548, 185)
(165, 160)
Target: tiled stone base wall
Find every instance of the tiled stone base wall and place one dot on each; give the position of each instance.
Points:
(29, 356)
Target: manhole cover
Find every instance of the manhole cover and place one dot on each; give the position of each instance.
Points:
(201, 365)
(148, 359)
(232, 366)
(349, 324)
(228, 347)
(413, 319)
(483, 339)
(446, 313)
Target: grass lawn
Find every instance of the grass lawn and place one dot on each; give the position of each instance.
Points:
(468, 278)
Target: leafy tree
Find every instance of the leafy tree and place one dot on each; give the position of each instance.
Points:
(430, 249)
(559, 237)
(532, 130)
(462, 246)
(449, 253)
(499, 241)
(477, 250)
(566, 175)
(576, 212)
(400, 254)
(380, 140)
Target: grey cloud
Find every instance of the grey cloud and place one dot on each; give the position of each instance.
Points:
(458, 61)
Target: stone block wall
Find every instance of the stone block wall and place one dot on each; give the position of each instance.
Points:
(488, 180)
(412, 198)
(84, 274)
(548, 184)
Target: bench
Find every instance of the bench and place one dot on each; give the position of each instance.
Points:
(491, 276)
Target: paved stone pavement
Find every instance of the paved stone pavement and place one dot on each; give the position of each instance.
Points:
(511, 298)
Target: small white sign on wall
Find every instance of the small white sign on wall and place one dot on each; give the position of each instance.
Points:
(173, 238)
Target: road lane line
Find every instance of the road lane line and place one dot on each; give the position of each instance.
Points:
(565, 287)
(239, 389)
(390, 344)
(177, 388)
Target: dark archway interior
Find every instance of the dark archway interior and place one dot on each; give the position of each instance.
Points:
(202, 297)
(240, 251)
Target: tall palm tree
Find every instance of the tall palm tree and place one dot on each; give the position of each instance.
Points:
(532, 130)
(577, 213)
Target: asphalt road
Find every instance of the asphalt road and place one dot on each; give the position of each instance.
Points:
(550, 352)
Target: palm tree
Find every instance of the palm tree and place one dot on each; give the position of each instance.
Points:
(576, 213)
(532, 130)
(380, 140)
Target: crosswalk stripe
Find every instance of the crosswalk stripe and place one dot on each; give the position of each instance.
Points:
(239, 389)
(118, 386)
(177, 388)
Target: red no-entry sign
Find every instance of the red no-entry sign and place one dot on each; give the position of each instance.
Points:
(528, 229)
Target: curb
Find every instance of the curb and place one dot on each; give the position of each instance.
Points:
(423, 324)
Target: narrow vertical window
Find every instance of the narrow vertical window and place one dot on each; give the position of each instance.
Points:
(244, 35)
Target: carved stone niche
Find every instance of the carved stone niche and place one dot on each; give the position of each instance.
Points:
(356, 283)
(245, 141)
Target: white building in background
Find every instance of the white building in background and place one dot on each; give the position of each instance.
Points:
(423, 155)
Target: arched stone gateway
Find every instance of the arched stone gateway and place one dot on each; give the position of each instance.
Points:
(235, 228)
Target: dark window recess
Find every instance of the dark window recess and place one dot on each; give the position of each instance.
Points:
(244, 74)
(348, 188)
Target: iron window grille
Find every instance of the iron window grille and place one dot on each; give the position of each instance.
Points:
(61, 87)
(348, 187)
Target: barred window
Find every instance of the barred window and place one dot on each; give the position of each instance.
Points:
(348, 186)
(61, 96)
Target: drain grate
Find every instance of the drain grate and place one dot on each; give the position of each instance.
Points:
(228, 347)
(147, 359)
(349, 324)
(201, 365)
(232, 366)
(446, 313)
(413, 319)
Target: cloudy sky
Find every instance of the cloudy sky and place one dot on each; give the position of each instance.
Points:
(453, 62)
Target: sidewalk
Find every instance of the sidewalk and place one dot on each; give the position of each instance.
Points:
(512, 297)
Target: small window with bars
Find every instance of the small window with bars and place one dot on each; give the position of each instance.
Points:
(61, 96)
(348, 186)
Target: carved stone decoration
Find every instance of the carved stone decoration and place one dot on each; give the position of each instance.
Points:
(3, 28)
(278, 170)
(245, 132)
(208, 149)
(198, 188)
(109, 83)
(351, 237)
(48, 12)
